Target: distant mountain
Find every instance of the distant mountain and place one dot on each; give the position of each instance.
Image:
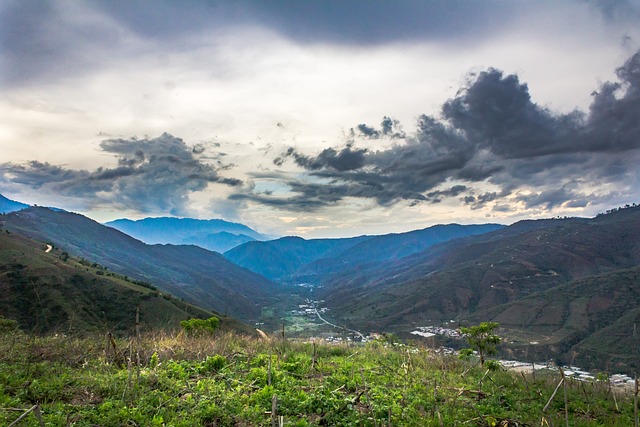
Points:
(213, 234)
(296, 259)
(527, 276)
(281, 258)
(48, 291)
(7, 205)
(190, 272)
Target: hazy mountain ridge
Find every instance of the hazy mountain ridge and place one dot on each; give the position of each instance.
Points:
(213, 234)
(8, 205)
(195, 274)
(294, 259)
(281, 258)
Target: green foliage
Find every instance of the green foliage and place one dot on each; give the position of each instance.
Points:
(153, 360)
(482, 339)
(212, 364)
(7, 325)
(365, 386)
(465, 353)
(194, 327)
(492, 365)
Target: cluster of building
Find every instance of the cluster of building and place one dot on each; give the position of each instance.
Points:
(572, 372)
(568, 371)
(430, 331)
(309, 308)
(621, 380)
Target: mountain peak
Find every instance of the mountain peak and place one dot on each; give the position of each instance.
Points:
(213, 234)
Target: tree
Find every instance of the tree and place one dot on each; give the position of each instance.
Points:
(482, 339)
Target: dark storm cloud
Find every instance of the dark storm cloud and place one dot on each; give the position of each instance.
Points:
(41, 39)
(355, 21)
(35, 174)
(389, 128)
(368, 131)
(406, 170)
(344, 160)
(152, 174)
(366, 22)
(437, 196)
(548, 199)
(496, 113)
(310, 198)
(481, 200)
(490, 132)
(613, 122)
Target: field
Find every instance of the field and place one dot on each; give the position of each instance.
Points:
(232, 380)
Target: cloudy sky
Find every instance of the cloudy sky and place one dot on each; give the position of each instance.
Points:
(321, 118)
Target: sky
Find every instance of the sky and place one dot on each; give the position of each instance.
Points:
(321, 118)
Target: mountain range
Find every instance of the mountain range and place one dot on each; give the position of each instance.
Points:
(46, 290)
(199, 276)
(557, 283)
(213, 234)
(8, 205)
(562, 288)
(294, 259)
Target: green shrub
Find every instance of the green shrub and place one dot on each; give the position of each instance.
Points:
(194, 327)
(7, 325)
(213, 364)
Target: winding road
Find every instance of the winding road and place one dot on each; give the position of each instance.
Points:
(338, 327)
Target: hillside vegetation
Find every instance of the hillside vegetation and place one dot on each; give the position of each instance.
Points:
(195, 274)
(563, 281)
(48, 292)
(229, 380)
(591, 321)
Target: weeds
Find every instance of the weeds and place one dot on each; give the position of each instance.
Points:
(229, 380)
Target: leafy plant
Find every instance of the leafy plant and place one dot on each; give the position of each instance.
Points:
(369, 385)
(482, 338)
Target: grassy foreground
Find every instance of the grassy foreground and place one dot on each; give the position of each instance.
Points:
(230, 380)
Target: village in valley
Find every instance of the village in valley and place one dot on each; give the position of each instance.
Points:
(310, 315)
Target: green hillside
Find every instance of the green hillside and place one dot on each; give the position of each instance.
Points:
(590, 321)
(197, 275)
(509, 268)
(53, 292)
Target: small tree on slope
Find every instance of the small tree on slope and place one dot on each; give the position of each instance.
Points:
(482, 339)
